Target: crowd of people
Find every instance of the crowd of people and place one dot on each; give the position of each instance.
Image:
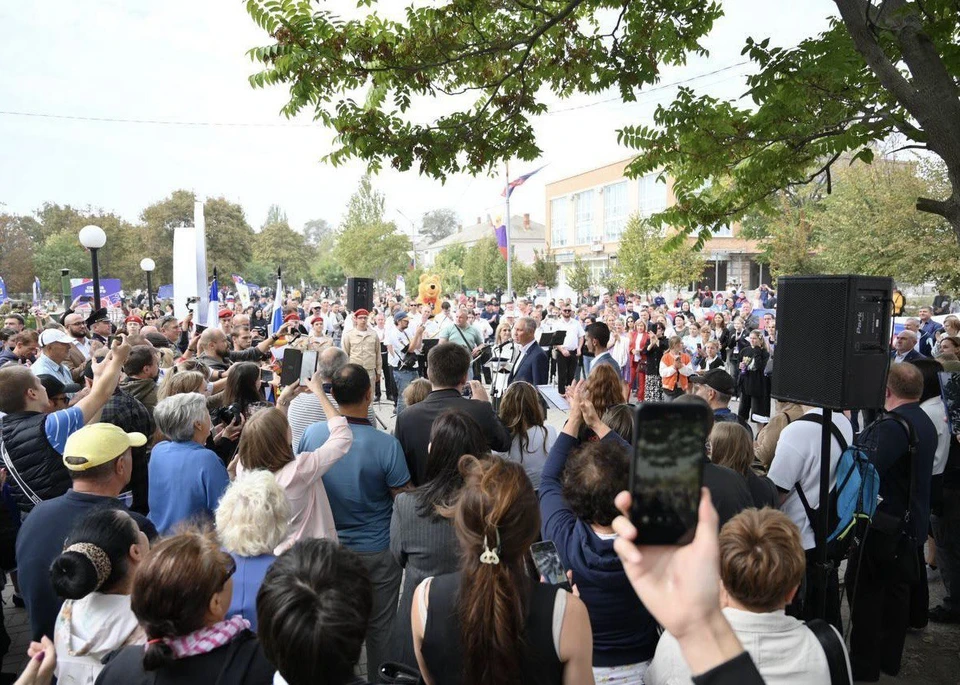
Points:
(171, 513)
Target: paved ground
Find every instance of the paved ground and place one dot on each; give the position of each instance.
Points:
(931, 655)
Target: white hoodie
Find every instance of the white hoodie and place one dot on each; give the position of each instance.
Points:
(87, 630)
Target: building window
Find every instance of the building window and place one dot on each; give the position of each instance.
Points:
(723, 232)
(653, 195)
(583, 217)
(614, 211)
(559, 221)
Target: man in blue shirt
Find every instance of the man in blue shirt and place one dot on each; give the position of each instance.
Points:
(34, 439)
(54, 349)
(361, 487)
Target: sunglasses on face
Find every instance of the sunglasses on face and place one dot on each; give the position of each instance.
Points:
(230, 570)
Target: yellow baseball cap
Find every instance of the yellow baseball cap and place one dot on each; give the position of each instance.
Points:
(99, 443)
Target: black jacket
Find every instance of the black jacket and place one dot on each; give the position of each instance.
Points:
(241, 662)
(37, 464)
(415, 423)
(752, 379)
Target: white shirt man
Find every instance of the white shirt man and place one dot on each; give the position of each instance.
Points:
(797, 460)
(573, 329)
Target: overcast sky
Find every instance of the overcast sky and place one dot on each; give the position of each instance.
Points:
(184, 60)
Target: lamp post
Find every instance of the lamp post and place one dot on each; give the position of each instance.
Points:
(93, 238)
(148, 265)
(65, 288)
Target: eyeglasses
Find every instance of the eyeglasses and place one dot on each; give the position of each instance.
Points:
(231, 569)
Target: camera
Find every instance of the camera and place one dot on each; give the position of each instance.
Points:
(191, 301)
(227, 415)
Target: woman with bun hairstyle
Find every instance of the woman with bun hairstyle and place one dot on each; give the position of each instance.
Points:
(94, 576)
(181, 595)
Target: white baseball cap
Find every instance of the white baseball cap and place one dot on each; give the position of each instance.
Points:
(52, 335)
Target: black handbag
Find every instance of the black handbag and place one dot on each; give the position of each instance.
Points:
(399, 674)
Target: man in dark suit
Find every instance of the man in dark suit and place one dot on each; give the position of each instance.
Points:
(531, 364)
(597, 338)
(903, 347)
(447, 368)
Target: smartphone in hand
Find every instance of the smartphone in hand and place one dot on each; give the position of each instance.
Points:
(549, 565)
(666, 472)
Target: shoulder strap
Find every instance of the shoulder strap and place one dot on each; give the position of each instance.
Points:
(838, 436)
(462, 336)
(912, 443)
(12, 471)
(833, 649)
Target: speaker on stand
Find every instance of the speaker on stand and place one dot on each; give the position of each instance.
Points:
(359, 294)
(833, 351)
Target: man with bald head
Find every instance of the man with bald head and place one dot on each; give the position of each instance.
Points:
(76, 328)
(904, 347)
(214, 351)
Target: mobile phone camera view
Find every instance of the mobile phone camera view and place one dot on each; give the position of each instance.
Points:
(667, 472)
(548, 563)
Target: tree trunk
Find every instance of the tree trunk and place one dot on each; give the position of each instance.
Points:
(931, 96)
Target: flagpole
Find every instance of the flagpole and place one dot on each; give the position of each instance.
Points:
(507, 225)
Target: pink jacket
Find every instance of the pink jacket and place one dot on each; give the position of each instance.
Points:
(310, 513)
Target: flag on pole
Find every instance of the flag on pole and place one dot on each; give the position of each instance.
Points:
(36, 291)
(276, 320)
(519, 181)
(401, 286)
(501, 233)
(213, 308)
(242, 290)
(3, 291)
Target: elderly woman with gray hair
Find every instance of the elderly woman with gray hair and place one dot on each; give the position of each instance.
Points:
(252, 519)
(186, 479)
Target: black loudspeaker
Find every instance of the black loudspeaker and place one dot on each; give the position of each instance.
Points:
(833, 341)
(359, 294)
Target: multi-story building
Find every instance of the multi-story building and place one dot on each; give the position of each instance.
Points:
(526, 237)
(586, 215)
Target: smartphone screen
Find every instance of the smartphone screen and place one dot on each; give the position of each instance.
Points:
(308, 366)
(548, 563)
(110, 340)
(666, 471)
(266, 375)
(290, 370)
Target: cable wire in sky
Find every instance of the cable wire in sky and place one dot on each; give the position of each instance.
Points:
(229, 124)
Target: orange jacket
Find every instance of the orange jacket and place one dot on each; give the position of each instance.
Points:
(670, 382)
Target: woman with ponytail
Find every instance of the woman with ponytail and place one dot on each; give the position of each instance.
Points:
(94, 575)
(493, 623)
(181, 595)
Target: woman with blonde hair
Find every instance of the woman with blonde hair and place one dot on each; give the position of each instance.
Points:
(417, 391)
(523, 415)
(180, 382)
(266, 444)
(732, 446)
(252, 519)
(491, 623)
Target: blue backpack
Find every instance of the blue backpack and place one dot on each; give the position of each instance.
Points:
(854, 497)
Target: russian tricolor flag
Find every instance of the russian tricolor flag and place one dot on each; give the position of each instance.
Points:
(519, 181)
(276, 320)
(501, 233)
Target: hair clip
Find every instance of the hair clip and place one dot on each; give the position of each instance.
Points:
(490, 556)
